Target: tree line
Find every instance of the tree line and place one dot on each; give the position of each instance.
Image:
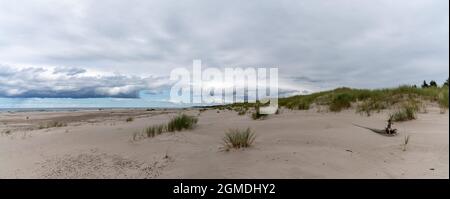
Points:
(433, 84)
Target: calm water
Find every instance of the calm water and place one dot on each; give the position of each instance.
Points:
(160, 100)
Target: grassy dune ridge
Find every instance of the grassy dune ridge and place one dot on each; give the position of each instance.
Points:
(367, 100)
(364, 100)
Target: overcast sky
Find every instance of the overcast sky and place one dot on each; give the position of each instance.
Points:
(88, 48)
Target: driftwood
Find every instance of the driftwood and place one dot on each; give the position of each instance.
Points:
(388, 131)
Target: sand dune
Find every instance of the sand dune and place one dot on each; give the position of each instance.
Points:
(293, 144)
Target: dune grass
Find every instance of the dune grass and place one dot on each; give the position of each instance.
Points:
(181, 122)
(154, 130)
(443, 98)
(238, 138)
(178, 123)
(129, 119)
(341, 101)
(366, 100)
(6, 132)
(406, 112)
(257, 115)
(242, 112)
(405, 142)
(52, 124)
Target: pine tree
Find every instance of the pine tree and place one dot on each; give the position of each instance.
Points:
(425, 84)
(433, 83)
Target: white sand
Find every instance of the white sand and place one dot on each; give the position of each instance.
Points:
(293, 144)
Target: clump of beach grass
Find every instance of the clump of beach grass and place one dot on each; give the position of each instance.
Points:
(257, 114)
(242, 112)
(129, 119)
(6, 132)
(181, 122)
(178, 123)
(405, 113)
(405, 142)
(52, 124)
(154, 130)
(238, 138)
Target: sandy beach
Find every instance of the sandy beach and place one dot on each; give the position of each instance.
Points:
(292, 144)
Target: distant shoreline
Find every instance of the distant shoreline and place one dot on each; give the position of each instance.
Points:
(87, 109)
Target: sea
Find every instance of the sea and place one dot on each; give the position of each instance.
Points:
(144, 100)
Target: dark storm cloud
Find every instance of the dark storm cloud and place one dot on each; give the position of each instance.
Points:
(316, 44)
(70, 83)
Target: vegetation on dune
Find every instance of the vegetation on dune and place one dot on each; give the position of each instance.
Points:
(405, 142)
(238, 138)
(242, 112)
(257, 114)
(181, 122)
(154, 130)
(6, 132)
(406, 112)
(364, 101)
(178, 123)
(340, 101)
(443, 99)
(52, 124)
(129, 119)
